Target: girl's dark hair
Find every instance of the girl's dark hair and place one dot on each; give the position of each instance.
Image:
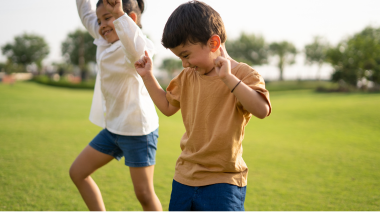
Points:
(136, 6)
(193, 22)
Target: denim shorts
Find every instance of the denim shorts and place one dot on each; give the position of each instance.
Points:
(214, 197)
(138, 151)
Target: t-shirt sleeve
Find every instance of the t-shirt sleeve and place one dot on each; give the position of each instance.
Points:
(254, 80)
(173, 92)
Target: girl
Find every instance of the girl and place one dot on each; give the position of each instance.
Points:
(121, 103)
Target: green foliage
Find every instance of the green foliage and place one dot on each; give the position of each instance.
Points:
(89, 84)
(357, 57)
(2, 66)
(10, 67)
(298, 85)
(172, 66)
(316, 52)
(64, 68)
(316, 152)
(26, 49)
(248, 48)
(79, 48)
(286, 53)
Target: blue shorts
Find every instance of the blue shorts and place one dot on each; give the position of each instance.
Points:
(214, 197)
(138, 151)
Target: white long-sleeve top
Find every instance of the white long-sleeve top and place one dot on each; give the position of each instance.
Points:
(121, 102)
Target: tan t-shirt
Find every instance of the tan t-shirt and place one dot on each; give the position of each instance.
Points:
(214, 121)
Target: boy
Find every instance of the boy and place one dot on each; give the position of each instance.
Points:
(217, 97)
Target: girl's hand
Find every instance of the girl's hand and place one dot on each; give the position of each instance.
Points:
(144, 66)
(222, 65)
(115, 7)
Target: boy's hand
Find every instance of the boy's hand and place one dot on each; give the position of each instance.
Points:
(222, 65)
(144, 66)
(115, 7)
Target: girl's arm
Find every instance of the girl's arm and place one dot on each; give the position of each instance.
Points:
(88, 17)
(158, 95)
(133, 40)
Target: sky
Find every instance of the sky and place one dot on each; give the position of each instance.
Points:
(296, 21)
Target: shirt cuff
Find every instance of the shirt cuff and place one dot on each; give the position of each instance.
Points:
(123, 17)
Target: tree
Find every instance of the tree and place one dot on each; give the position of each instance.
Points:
(79, 49)
(250, 49)
(286, 53)
(357, 57)
(26, 49)
(172, 66)
(63, 68)
(2, 67)
(316, 52)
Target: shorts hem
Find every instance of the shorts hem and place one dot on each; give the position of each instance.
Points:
(143, 164)
(100, 149)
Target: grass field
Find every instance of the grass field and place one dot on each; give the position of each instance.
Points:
(316, 152)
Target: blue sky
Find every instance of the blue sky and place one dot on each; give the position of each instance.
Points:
(296, 21)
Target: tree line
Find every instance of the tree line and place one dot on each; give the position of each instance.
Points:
(355, 59)
(77, 50)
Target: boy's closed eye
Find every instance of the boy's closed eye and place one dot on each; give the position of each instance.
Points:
(184, 55)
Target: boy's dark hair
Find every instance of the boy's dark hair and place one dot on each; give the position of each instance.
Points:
(136, 6)
(192, 22)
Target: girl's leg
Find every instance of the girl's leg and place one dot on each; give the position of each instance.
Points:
(142, 178)
(84, 165)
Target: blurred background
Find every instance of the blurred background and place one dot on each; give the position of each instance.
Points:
(282, 40)
(318, 151)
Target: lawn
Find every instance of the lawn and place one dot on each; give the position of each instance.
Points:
(316, 152)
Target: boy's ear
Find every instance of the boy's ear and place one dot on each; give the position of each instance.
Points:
(133, 16)
(214, 43)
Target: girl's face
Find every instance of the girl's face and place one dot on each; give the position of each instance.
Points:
(106, 27)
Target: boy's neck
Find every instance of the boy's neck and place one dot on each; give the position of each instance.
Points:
(234, 63)
(212, 72)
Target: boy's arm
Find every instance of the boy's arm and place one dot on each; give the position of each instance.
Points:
(133, 40)
(88, 17)
(144, 68)
(251, 100)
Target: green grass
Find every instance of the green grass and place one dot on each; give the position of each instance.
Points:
(316, 152)
(299, 85)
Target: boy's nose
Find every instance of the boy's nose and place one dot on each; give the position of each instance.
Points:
(185, 64)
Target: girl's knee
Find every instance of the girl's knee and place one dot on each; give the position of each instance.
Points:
(76, 174)
(144, 195)
(72, 173)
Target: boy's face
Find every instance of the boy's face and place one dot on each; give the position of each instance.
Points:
(106, 27)
(197, 56)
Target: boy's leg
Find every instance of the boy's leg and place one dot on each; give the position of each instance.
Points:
(181, 197)
(84, 165)
(220, 197)
(142, 178)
